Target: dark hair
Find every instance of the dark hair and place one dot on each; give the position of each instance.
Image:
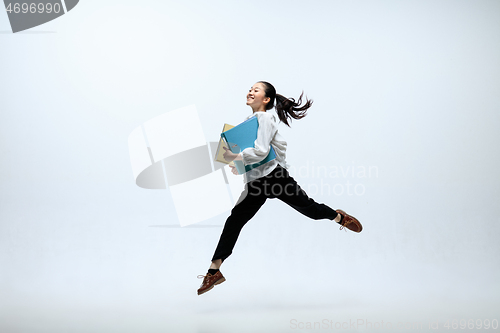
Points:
(286, 108)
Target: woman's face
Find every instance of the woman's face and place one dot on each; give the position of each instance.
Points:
(256, 97)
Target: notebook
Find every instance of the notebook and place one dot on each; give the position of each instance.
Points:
(243, 136)
(220, 151)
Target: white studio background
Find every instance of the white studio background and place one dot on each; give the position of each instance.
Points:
(405, 90)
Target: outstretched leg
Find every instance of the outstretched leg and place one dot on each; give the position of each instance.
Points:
(287, 190)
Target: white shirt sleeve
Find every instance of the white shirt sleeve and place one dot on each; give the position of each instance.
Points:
(262, 145)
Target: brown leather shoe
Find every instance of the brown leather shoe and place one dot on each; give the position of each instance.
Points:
(209, 281)
(349, 222)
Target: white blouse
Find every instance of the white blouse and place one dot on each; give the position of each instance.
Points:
(267, 135)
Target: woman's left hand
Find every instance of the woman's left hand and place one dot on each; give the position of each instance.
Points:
(229, 155)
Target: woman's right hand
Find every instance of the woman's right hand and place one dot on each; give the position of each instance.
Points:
(233, 169)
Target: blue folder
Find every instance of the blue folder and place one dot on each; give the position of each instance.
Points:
(243, 136)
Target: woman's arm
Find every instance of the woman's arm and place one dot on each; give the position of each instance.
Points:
(262, 145)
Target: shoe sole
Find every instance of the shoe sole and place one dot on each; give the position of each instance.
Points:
(355, 219)
(219, 281)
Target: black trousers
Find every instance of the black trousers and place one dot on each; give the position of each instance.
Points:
(278, 184)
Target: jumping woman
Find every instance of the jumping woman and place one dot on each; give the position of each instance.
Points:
(269, 180)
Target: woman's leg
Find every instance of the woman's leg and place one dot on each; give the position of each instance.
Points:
(287, 190)
(240, 215)
(249, 203)
(216, 264)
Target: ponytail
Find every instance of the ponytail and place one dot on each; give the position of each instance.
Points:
(286, 108)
